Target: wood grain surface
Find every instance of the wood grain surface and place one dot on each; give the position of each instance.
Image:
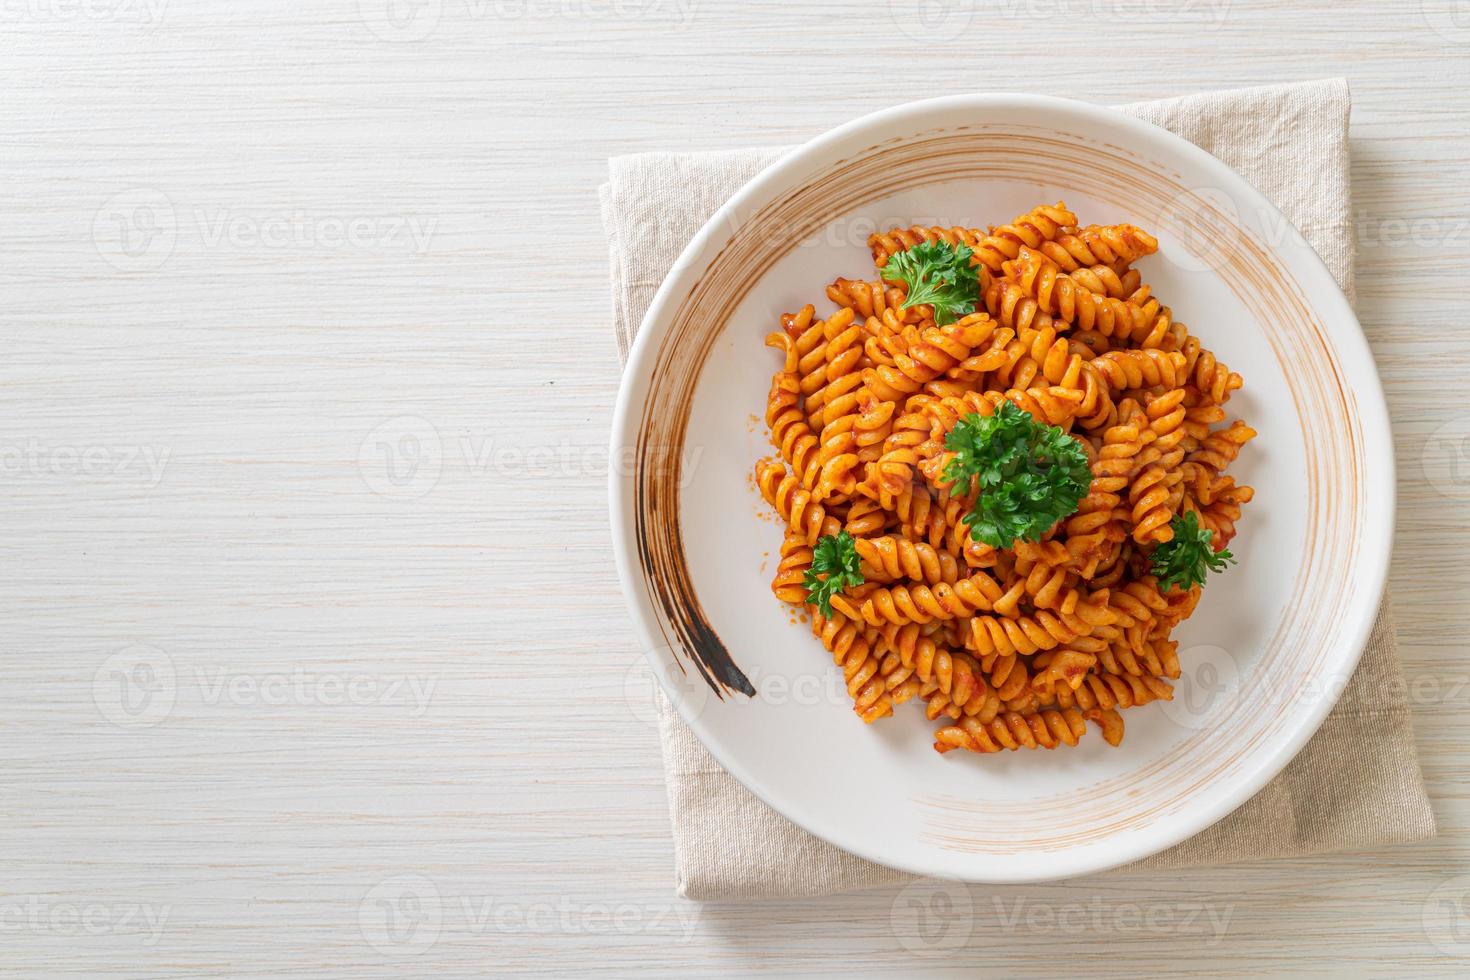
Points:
(316, 663)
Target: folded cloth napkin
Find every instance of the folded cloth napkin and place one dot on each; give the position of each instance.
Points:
(1357, 782)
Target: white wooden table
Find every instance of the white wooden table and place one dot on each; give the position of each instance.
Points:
(307, 599)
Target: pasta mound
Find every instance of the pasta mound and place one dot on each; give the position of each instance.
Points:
(1019, 646)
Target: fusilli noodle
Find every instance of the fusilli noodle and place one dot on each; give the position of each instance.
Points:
(1021, 646)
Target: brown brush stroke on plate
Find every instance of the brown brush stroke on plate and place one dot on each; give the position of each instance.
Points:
(661, 554)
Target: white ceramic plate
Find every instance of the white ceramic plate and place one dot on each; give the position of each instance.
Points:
(1271, 644)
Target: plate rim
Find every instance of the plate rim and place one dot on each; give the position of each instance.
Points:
(1351, 345)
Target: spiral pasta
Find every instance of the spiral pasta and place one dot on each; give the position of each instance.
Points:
(891, 557)
(1012, 730)
(1029, 645)
(1099, 245)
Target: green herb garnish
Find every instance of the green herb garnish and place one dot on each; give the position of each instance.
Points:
(1026, 475)
(939, 275)
(834, 568)
(1190, 556)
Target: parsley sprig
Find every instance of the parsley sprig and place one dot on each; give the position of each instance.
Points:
(834, 568)
(1190, 556)
(1026, 475)
(939, 275)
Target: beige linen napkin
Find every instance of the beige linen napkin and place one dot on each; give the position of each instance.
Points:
(1355, 785)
